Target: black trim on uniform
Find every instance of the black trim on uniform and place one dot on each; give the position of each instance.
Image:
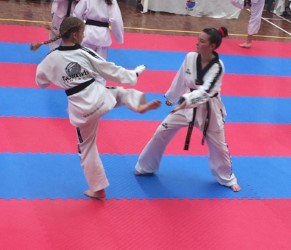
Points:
(201, 72)
(72, 47)
(78, 46)
(92, 53)
(79, 137)
(215, 78)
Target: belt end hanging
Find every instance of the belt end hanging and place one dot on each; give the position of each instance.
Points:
(203, 140)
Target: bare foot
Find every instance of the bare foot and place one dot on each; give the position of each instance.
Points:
(149, 106)
(99, 195)
(245, 45)
(137, 173)
(235, 188)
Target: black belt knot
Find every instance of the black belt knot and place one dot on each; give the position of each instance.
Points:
(97, 23)
(79, 87)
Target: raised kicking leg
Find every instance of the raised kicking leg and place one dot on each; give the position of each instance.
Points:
(148, 106)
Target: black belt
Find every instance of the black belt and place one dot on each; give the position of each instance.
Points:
(189, 131)
(79, 87)
(191, 125)
(97, 23)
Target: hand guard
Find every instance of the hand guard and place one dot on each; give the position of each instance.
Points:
(139, 69)
(181, 105)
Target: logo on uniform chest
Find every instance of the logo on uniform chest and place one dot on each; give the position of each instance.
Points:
(74, 72)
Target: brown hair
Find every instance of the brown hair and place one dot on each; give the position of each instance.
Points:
(216, 35)
(68, 26)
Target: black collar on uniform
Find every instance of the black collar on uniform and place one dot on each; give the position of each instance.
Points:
(73, 47)
(201, 72)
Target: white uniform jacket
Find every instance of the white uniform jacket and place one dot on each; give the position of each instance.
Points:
(71, 66)
(98, 10)
(198, 87)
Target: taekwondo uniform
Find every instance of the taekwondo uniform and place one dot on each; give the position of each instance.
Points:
(256, 16)
(76, 69)
(101, 19)
(60, 10)
(256, 9)
(204, 109)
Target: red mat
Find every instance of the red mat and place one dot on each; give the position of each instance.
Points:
(146, 224)
(33, 34)
(51, 130)
(159, 81)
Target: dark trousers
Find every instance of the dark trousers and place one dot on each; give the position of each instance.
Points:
(269, 4)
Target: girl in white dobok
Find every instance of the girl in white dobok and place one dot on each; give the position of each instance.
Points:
(78, 70)
(196, 87)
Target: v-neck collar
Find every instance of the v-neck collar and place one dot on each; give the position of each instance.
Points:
(201, 72)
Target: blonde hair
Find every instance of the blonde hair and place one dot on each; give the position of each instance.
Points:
(68, 26)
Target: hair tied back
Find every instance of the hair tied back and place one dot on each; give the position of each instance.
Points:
(35, 46)
(223, 32)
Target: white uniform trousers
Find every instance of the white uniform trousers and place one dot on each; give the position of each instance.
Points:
(101, 51)
(256, 16)
(219, 158)
(238, 3)
(90, 160)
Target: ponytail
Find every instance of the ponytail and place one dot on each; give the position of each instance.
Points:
(68, 26)
(36, 46)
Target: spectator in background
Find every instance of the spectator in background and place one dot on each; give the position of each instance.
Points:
(60, 10)
(269, 5)
(254, 24)
(102, 17)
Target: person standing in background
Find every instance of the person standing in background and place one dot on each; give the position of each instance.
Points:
(254, 24)
(60, 10)
(102, 17)
(269, 5)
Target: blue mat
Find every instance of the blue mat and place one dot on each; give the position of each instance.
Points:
(52, 103)
(41, 176)
(157, 60)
